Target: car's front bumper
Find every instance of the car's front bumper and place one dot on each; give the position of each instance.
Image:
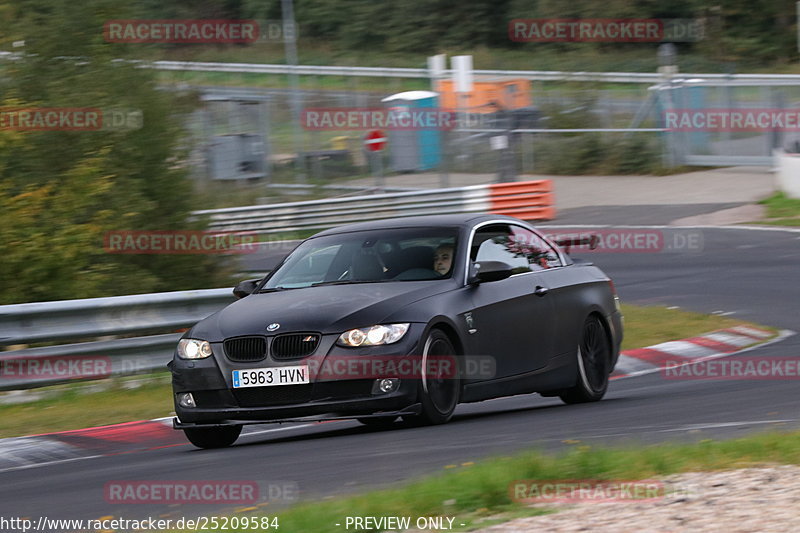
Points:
(217, 402)
(339, 400)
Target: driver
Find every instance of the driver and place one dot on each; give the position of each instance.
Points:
(443, 259)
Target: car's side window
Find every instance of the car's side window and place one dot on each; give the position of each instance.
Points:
(519, 247)
(539, 254)
(495, 243)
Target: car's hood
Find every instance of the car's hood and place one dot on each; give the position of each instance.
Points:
(327, 309)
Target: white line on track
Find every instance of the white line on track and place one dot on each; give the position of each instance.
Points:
(690, 427)
(48, 463)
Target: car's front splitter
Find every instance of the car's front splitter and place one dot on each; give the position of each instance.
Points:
(411, 410)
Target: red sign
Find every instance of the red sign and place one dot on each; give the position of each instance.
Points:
(375, 140)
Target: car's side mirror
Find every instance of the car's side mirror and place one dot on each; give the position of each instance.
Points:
(483, 271)
(243, 288)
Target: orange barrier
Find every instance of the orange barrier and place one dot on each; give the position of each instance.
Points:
(528, 200)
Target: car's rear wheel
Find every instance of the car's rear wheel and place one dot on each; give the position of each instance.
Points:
(381, 422)
(594, 358)
(438, 391)
(213, 437)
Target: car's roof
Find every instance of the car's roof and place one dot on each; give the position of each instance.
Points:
(462, 219)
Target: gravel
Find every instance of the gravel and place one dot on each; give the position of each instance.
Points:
(732, 501)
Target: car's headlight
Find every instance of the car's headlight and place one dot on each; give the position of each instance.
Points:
(193, 349)
(373, 336)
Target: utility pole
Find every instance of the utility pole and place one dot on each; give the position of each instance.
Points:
(290, 45)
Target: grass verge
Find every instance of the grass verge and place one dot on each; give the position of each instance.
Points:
(477, 495)
(645, 326)
(781, 210)
(75, 406)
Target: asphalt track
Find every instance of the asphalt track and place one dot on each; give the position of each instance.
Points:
(751, 274)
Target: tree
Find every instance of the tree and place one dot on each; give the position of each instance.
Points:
(62, 191)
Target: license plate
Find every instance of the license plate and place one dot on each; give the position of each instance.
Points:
(268, 377)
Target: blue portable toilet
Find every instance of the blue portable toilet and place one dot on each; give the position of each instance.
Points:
(414, 149)
(687, 97)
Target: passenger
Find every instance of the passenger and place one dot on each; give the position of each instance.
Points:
(443, 259)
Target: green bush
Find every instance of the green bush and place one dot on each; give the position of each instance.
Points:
(62, 191)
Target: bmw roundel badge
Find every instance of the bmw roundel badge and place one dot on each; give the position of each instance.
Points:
(273, 326)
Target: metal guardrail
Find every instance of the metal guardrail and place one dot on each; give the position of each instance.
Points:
(39, 367)
(534, 75)
(96, 317)
(531, 200)
(73, 319)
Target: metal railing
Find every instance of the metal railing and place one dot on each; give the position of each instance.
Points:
(72, 320)
(534, 75)
(532, 200)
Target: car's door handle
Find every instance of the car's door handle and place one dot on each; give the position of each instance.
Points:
(541, 291)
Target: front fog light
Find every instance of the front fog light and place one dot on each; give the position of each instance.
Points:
(385, 385)
(185, 399)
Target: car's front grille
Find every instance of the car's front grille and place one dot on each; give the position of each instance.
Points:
(294, 345)
(245, 349)
(268, 396)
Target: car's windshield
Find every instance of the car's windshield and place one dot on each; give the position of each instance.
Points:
(403, 254)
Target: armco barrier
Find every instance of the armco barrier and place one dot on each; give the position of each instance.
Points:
(71, 320)
(93, 317)
(529, 200)
(650, 78)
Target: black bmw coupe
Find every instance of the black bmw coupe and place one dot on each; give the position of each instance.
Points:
(406, 318)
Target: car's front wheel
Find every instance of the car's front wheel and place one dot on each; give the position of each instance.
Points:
(439, 388)
(213, 437)
(594, 358)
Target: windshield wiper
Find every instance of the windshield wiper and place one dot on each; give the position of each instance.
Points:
(274, 289)
(346, 282)
(334, 282)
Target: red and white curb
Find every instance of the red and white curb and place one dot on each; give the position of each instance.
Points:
(51, 448)
(712, 345)
(17, 453)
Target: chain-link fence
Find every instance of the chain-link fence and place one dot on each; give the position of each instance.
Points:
(569, 127)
